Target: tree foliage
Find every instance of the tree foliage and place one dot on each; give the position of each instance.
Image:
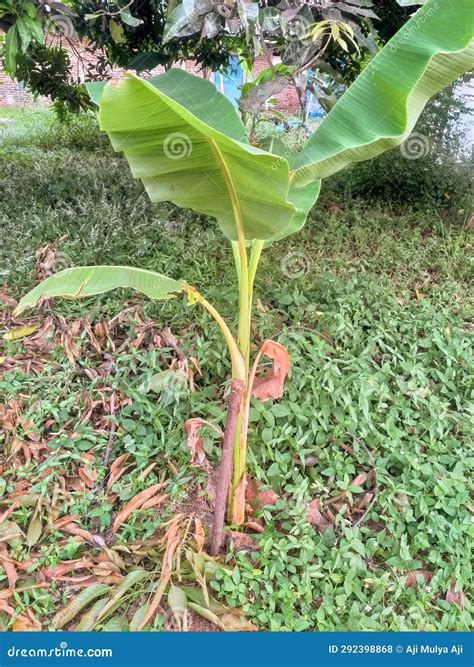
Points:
(333, 38)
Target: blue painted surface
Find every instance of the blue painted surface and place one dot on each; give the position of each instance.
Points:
(315, 110)
(229, 83)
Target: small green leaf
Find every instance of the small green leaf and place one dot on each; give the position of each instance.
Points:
(116, 32)
(129, 19)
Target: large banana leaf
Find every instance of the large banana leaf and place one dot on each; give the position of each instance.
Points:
(302, 198)
(187, 144)
(185, 141)
(90, 280)
(380, 109)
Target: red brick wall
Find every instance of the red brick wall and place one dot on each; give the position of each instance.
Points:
(288, 98)
(13, 93)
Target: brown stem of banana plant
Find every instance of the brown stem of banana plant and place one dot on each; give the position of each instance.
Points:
(225, 467)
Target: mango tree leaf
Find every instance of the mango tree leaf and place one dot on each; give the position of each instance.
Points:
(77, 603)
(116, 624)
(34, 531)
(12, 45)
(177, 601)
(116, 31)
(20, 332)
(183, 22)
(187, 144)
(380, 109)
(85, 281)
(147, 60)
(117, 594)
(138, 617)
(89, 619)
(129, 19)
(24, 32)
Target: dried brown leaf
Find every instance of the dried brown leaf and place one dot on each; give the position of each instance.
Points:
(135, 503)
(195, 443)
(256, 497)
(315, 517)
(271, 385)
(410, 579)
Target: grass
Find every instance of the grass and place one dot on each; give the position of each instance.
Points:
(373, 305)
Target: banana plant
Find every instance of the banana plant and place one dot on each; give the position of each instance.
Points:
(187, 144)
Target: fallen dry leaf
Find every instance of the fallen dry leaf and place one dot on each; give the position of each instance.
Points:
(238, 516)
(135, 503)
(232, 623)
(455, 597)
(410, 579)
(195, 443)
(315, 517)
(172, 541)
(242, 540)
(199, 534)
(256, 497)
(20, 332)
(9, 567)
(255, 525)
(74, 529)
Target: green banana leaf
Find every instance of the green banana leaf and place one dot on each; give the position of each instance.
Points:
(381, 107)
(86, 281)
(186, 143)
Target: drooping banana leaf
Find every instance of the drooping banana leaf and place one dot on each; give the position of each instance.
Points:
(86, 281)
(380, 108)
(186, 143)
(302, 198)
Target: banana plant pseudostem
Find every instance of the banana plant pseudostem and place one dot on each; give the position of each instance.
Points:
(187, 144)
